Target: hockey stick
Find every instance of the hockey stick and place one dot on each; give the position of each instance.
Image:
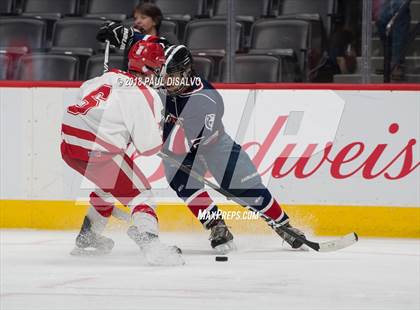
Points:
(327, 246)
(106, 56)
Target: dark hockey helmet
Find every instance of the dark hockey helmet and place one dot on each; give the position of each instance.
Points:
(178, 66)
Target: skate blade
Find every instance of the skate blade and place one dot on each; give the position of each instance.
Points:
(89, 252)
(226, 247)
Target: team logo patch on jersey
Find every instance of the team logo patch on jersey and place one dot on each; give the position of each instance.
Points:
(209, 121)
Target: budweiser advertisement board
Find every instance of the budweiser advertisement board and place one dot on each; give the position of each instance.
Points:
(342, 147)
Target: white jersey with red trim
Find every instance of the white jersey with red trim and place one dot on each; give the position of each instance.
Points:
(113, 111)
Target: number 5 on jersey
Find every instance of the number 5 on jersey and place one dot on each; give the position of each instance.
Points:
(92, 100)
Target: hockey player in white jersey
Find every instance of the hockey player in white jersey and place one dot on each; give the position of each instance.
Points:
(117, 110)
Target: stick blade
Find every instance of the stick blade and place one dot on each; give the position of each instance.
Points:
(338, 244)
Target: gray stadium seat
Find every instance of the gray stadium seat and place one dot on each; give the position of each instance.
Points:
(21, 31)
(415, 10)
(252, 69)
(6, 6)
(208, 37)
(47, 67)
(203, 66)
(323, 9)
(169, 30)
(50, 9)
(276, 36)
(111, 9)
(4, 66)
(77, 36)
(246, 10)
(95, 65)
(184, 10)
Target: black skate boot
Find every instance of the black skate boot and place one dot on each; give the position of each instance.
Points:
(221, 239)
(292, 241)
(155, 252)
(87, 239)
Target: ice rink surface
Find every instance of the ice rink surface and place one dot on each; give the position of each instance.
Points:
(37, 272)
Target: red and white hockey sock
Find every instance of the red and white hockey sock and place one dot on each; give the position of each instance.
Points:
(259, 199)
(145, 219)
(100, 210)
(143, 213)
(275, 212)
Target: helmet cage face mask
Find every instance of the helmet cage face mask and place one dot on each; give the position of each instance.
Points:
(178, 65)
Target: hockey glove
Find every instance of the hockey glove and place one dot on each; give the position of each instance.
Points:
(117, 34)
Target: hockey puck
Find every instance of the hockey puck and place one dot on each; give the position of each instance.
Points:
(221, 258)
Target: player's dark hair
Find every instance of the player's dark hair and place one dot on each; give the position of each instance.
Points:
(151, 10)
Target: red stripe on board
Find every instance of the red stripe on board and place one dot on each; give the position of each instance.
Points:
(326, 86)
(30, 84)
(319, 86)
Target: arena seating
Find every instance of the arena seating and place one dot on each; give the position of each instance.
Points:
(117, 10)
(22, 32)
(6, 7)
(95, 65)
(204, 66)
(183, 10)
(76, 36)
(49, 9)
(278, 37)
(47, 67)
(295, 32)
(245, 10)
(4, 66)
(324, 10)
(253, 69)
(412, 66)
(208, 37)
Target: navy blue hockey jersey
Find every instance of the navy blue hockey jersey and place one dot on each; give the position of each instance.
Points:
(192, 119)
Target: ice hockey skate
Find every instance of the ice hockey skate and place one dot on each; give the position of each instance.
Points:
(221, 239)
(155, 252)
(89, 243)
(292, 241)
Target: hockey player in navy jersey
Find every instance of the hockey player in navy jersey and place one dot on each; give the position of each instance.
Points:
(194, 135)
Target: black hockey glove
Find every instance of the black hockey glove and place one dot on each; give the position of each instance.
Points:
(117, 34)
